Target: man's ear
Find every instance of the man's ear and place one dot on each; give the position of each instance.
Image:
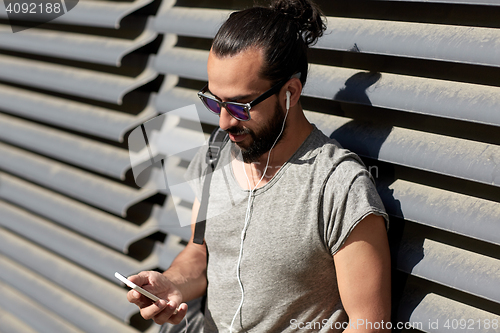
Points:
(294, 86)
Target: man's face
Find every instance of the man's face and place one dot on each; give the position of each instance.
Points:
(236, 79)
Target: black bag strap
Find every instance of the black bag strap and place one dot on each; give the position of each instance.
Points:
(217, 140)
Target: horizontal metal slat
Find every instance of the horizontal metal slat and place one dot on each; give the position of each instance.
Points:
(453, 100)
(475, 161)
(454, 212)
(87, 253)
(33, 314)
(105, 14)
(451, 266)
(93, 223)
(85, 118)
(72, 81)
(414, 40)
(11, 324)
(447, 99)
(432, 312)
(90, 154)
(100, 192)
(102, 293)
(87, 48)
(58, 300)
(192, 22)
(184, 62)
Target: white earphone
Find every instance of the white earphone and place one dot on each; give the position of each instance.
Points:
(288, 94)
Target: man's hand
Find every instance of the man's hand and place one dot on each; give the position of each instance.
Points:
(184, 281)
(168, 309)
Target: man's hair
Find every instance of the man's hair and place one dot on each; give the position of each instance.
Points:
(284, 31)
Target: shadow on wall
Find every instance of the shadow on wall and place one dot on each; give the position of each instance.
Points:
(366, 139)
(356, 86)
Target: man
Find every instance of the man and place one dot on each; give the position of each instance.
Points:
(296, 232)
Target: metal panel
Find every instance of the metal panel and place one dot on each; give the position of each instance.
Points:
(105, 14)
(414, 40)
(448, 99)
(455, 157)
(454, 212)
(61, 302)
(108, 296)
(97, 191)
(451, 266)
(75, 46)
(454, 100)
(11, 324)
(32, 313)
(73, 81)
(89, 254)
(432, 308)
(71, 148)
(93, 223)
(85, 118)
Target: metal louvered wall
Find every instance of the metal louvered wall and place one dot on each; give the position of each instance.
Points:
(411, 86)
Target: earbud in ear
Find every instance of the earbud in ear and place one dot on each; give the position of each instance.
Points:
(288, 94)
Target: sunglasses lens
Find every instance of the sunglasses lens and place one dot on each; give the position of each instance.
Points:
(211, 104)
(237, 111)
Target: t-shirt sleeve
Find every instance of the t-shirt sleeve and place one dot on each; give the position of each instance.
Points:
(195, 173)
(349, 196)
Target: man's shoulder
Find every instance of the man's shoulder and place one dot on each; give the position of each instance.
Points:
(327, 153)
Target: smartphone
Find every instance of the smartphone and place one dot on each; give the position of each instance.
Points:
(136, 287)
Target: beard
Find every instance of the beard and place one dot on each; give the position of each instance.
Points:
(262, 139)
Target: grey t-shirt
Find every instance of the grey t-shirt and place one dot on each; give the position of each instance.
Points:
(298, 221)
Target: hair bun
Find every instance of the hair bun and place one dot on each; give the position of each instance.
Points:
(306, 15)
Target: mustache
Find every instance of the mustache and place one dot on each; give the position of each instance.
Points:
(238, 130)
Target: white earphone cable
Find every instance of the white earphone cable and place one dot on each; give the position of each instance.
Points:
(248, 214)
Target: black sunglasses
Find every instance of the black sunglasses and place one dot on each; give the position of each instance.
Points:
(240, 111)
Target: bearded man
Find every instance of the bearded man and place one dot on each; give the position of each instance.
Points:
(296, 233)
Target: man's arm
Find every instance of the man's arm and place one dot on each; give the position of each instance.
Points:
(183, 281)
(364, 276)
